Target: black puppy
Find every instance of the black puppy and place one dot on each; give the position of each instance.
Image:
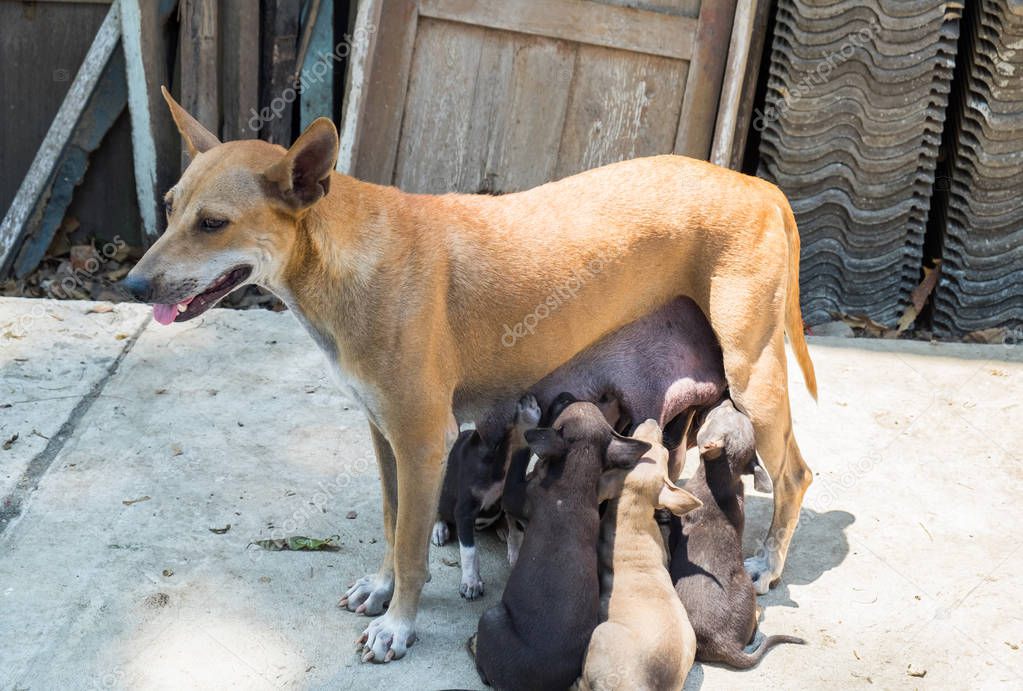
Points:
(706, 544)
(474, 483)
(536, 637)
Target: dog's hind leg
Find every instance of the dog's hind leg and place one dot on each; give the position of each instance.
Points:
(756, 370)
(370, 594)
(765, 400)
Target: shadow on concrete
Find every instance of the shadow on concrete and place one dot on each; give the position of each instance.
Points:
(819, 545)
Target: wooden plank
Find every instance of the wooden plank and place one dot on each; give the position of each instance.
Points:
(748, 94)
(152, 133)
(682, 8)
(703, 88)
(732, 82)
(200, 88)
(239, 70)
(622, 105)
(317, 98)
(39, 174)
(376, 149)
(579, 21)
(434, 139)
(280, 26)
(105, 105)
(360, 63)
(524, 149)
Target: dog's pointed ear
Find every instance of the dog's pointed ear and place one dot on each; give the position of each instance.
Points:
(612, 482)
(761, 478)
(546, 442)
(625, 452)
(197, 138)
(303, 175)
(677, 500)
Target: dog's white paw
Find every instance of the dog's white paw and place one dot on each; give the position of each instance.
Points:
(369, 595)
(440, 535)
(527, 412)
(471, 586)
(761, 573)
(387, 638)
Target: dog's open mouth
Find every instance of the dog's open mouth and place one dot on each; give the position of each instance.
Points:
(197, 304)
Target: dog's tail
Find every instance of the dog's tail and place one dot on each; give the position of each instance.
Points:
(740, 659)
(793, 316)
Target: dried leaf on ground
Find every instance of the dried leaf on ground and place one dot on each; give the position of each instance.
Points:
(10, 442)
(995, 336)
(299, 543)
(129, 502)
(220, 531)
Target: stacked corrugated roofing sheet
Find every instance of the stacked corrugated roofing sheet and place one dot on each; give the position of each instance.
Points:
(856, 104)
(982, 272)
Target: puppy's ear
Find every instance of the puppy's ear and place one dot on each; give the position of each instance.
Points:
(612, 482)
(303, 175)
(677, 500)
(546, 442)
(197, 138)
(761, 478)
(625, 452)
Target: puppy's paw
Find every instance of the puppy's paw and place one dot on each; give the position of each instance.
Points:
(471, 586)
(761, 573)
(386, 638)
(440, 534)
(369, 595)
(527, 412)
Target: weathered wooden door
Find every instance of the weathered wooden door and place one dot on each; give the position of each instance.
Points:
(502, 95)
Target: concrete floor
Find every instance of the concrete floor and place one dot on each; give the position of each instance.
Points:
(134, 440)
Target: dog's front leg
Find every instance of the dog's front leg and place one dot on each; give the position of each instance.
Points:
(370, 594)
(420, 450)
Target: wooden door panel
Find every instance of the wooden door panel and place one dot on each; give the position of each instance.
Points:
(492, 95)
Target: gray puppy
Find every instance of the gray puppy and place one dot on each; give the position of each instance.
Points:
(706, 544)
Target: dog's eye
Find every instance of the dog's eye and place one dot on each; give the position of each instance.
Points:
(211, 224)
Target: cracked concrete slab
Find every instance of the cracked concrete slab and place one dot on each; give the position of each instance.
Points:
(904, 563)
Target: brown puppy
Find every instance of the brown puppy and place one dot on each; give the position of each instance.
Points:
(433, 309)
(536, 636)
(645, 640)
(706, 544)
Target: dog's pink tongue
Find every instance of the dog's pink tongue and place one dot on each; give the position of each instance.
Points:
(166, 314)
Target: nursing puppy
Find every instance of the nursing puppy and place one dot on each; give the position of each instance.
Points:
(645, 640)
(474, 484)
(535, 638)
(706, 544)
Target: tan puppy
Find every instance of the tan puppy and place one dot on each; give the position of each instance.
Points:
(433, 309)
(645, 640)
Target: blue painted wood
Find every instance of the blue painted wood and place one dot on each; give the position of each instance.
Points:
(317, 96)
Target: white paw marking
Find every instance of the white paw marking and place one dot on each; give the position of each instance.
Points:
(472, 584)
(440, 535)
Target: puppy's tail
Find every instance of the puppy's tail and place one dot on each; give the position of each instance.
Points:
(740, 659)
(793, 316)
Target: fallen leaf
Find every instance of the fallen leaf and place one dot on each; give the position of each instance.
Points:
(448, 561)
(161, 391)
(176, 450)
(994, 335)
(220, 531)
(923, 291)
(101, 308)
(919, 674)
(1011, 645)
(121, 337)
(352, 514)
(299, 543)
(167, 573)
(10, 442)
(129, 502)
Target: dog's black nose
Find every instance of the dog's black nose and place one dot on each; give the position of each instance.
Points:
(138, 287)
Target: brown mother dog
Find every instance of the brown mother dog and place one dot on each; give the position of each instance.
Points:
(433, 309)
